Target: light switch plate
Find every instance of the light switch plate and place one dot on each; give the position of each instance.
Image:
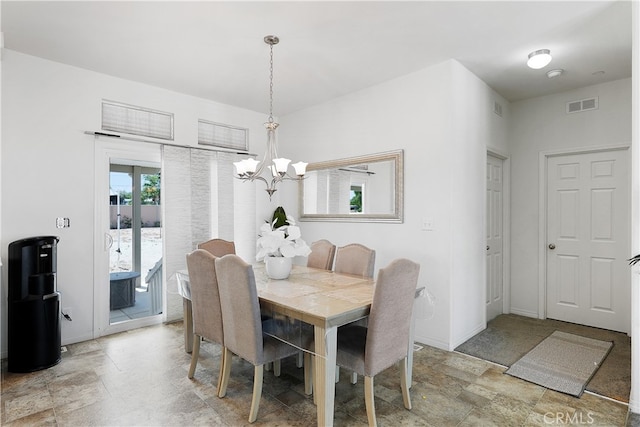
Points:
(62, 223)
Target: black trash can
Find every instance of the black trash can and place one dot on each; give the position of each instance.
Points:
(33, 305)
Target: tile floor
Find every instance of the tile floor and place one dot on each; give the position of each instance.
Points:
(140, 378)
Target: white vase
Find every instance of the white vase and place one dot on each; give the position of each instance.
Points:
(277, 267)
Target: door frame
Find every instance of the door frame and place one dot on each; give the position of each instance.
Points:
(506, 230)
(131, 152)
(542, 211)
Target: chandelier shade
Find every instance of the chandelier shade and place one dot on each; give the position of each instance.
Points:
(272, 166)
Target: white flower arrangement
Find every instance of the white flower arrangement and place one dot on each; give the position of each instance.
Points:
(284, 241)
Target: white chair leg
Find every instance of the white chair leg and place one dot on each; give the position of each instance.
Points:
(368, 401)
(300, 359)
(257, 392)
(226, 371)
(308, 373)
(195, 352)
(276, 368)
(267, 366)
(354, 378)
(337, 373)
(404, 383)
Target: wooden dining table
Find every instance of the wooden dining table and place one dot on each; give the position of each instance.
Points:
(321, 298)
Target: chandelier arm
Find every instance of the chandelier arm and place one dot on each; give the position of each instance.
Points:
(290, 177)
(251, 178)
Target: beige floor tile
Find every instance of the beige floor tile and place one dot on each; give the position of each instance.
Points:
(140, 378)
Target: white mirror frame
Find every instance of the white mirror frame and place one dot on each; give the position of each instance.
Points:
(397, 216)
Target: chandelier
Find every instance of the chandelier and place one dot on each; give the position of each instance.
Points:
(274, 167)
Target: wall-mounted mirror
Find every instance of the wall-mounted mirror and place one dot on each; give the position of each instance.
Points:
(365, 188)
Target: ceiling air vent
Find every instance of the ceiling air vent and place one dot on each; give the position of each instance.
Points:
(582, 105)
(223, 136)
(497, 108)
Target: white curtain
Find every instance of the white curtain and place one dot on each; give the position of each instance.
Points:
(202, 200)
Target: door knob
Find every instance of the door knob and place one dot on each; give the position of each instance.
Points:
(552, 246)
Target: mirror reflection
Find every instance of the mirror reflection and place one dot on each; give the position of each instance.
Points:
(364, 188)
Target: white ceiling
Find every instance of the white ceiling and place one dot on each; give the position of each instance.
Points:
(215, 49)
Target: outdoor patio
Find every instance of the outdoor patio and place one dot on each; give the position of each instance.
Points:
(120, 261)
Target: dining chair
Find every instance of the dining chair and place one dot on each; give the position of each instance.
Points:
(322, 253)
(370, 350)
(355, 259)
(358, 260)
(218, 247)
(321, 256)
(243, 327)
(205, 300)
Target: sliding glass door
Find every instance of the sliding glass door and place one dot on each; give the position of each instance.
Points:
(129, 288)
(135, 255)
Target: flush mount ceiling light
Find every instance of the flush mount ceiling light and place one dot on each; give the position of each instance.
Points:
(555, 73)
(539, 59)
(274, 167)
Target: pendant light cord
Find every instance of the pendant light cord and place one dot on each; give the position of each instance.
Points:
(271, 83)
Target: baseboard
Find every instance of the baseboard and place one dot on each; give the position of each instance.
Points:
(67, 341)
(77, 339)
(526, 313)
(432, 343)
(471, 334)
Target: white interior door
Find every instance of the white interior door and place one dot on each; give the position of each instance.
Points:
(495, 259)
(588, 278)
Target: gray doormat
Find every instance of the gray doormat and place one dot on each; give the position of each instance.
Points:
(508, 337)
(563, 362)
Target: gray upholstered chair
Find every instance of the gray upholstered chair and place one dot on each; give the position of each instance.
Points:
(242, 324)
(322, 253)
(358, 260)
(370, 350)
(355, 259)
(205, 300)
(218, 247)
(321, 256)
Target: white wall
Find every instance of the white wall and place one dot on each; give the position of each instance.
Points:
(475, 128)
(634, 400)
(48, 162)
(441, 117)
(541, 124)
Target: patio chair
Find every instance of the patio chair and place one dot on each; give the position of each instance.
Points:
(154, 287)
